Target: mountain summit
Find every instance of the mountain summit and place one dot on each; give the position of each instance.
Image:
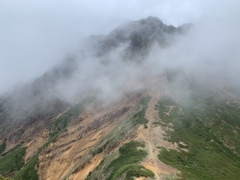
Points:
(139, 35)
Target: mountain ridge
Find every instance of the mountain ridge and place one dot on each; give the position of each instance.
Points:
(113, 112)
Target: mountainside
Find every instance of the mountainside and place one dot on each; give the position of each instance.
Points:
(116, 111)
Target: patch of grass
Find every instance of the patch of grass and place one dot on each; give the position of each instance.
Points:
(13, 149)
(139, 117)
(210, 131)
(3, 178)
(127, 162)
(144, 101)
(2, 146)
(99, 171)
(131, 171)
(28, 171)
(171, 177)
(12, 162)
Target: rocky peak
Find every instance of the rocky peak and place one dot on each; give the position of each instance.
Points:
(139, 34)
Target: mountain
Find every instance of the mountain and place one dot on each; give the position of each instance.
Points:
(115, 111)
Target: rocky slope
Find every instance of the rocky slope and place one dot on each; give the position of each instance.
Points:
(165, 125)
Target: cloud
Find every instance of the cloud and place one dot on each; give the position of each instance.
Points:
(36, 35)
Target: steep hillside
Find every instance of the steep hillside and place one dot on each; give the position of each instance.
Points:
(112, 113)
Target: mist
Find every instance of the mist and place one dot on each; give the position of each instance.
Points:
(37, 36)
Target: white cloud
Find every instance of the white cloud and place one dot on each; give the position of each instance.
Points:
(36, 34)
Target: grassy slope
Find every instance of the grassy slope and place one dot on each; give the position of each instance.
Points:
(210, 130)
(128, 162)
(2, 146)
(12, 161)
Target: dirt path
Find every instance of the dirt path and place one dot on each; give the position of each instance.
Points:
(153, 138)
(151, 150)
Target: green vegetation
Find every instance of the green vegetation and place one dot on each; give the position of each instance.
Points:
(12, 161)
(3, 178)
(127, 162)
(13, 149)
(2, 146)
(210, 130)
(28, 171)
(139, 117)
(100, 171)
(171, 177)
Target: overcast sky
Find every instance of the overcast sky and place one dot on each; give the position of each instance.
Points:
(36, 34)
